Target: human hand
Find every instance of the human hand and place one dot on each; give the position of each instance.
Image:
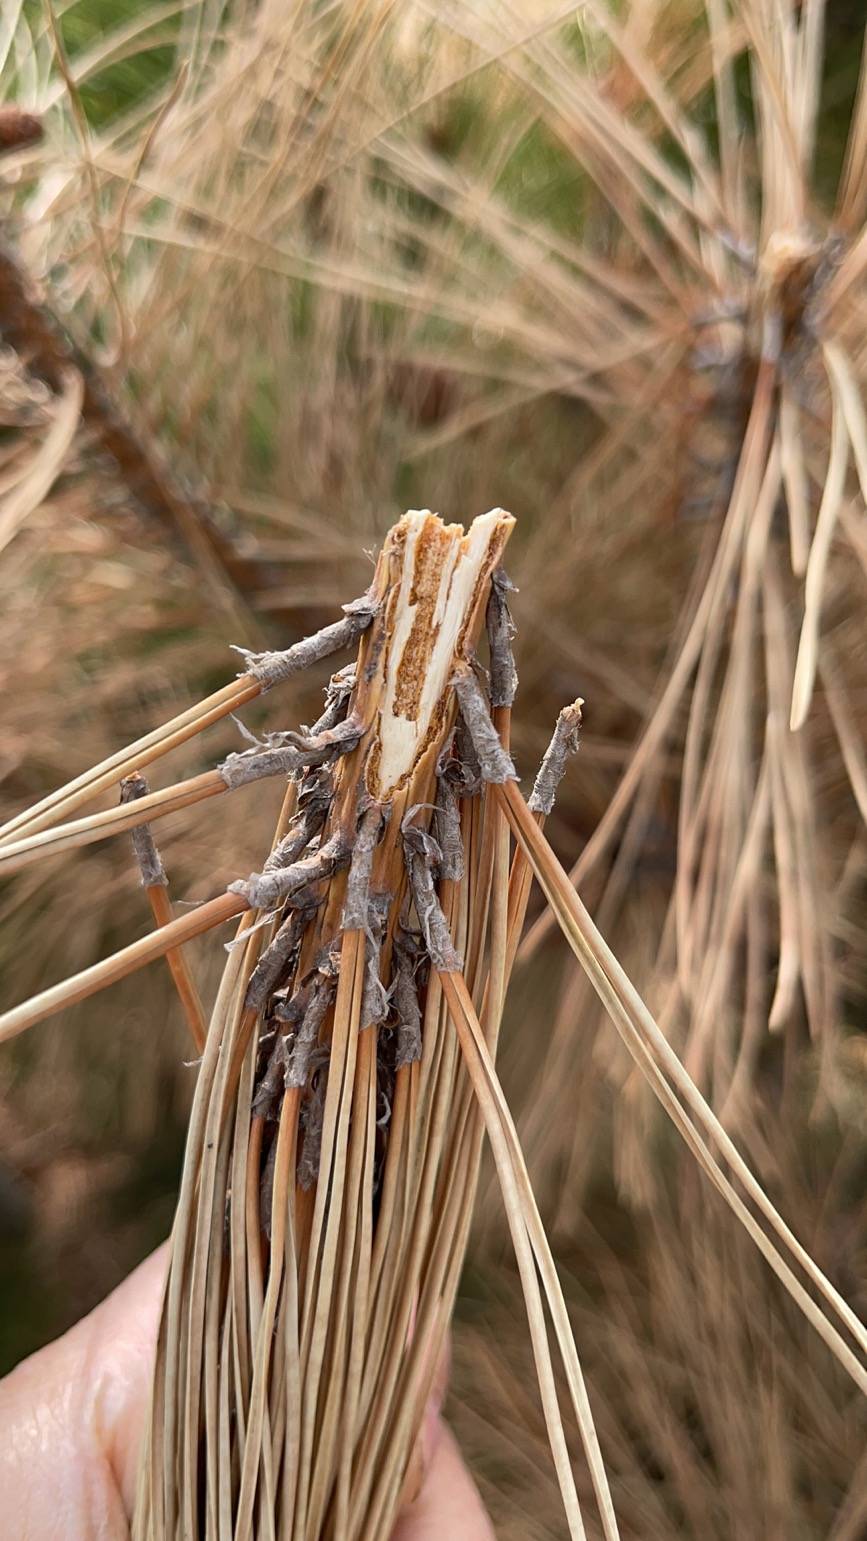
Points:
(71, 1420)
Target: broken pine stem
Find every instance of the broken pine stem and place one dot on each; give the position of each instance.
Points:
(300, 1303)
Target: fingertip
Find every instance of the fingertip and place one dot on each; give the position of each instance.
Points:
(122, 1341)
(448, 1504)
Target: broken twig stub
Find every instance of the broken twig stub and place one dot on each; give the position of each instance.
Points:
(272, 668)
(153, 873)
(564, 742)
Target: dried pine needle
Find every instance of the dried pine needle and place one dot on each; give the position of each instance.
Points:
(264, 670)
(648, 1045)
(109, 970)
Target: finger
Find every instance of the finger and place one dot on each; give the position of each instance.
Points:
(429, 1433)
(71, 1418)
(123, 1335)
(448, 1504)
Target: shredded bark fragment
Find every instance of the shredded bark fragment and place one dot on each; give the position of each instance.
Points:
(285, 754)
(315, 795)
(408, 961)
(306, 1041)
(494, 762)
(153, 873)
(279, 956)
(368, 829)
(467, 760)
(272, 668)
(337, 694)
(266, 1189)
(294, 843)
(270, 1087)
(264, 890)
(375, 654)
(564, 742)
(447, 816)
(501, 630)
(375, 997)
(422, 856)
(312, 1121)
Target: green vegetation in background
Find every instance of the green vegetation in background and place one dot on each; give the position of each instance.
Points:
(144, 65)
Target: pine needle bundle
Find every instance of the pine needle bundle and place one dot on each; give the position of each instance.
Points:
(348, 1073)
(341, 1167)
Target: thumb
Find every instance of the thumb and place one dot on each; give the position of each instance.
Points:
(71, 1418)
(448, 1504)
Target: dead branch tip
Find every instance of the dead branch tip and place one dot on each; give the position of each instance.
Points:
(153, 873)
(273, 667)
(564, 742)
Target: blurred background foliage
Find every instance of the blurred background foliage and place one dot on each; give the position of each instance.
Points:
(328, 261)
